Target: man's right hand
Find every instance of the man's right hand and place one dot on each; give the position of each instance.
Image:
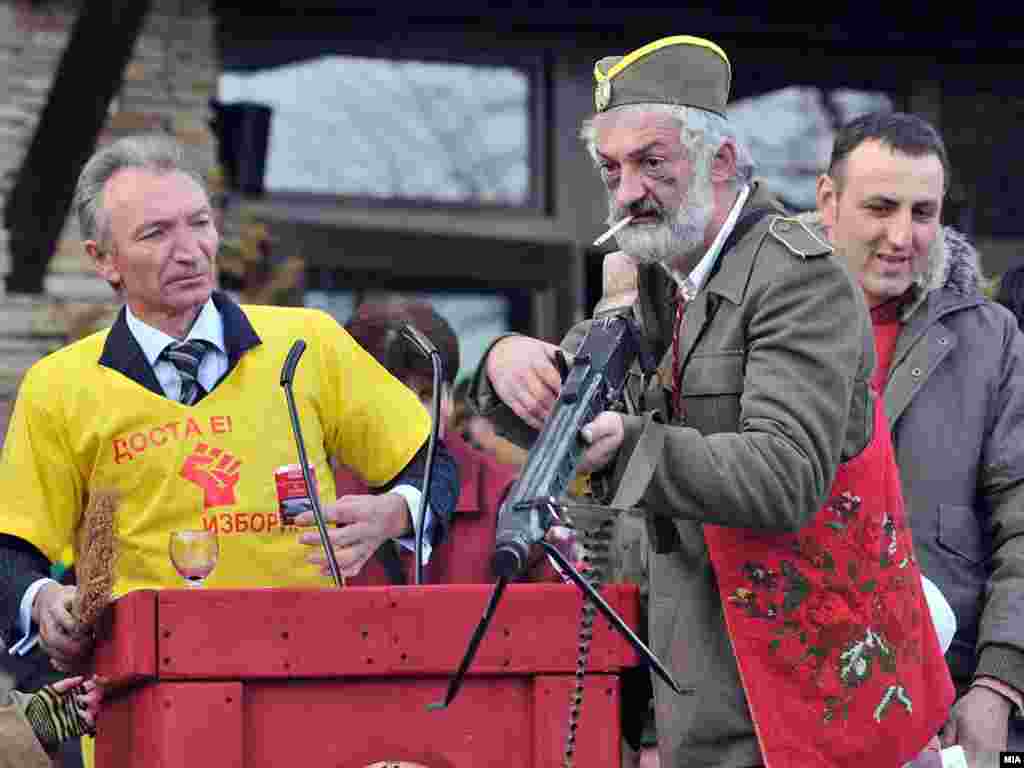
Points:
(61, 636)
(523, 373)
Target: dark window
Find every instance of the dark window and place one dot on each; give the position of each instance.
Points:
(436, 132)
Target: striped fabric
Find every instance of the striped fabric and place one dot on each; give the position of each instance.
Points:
(56, 717)
(186, 356)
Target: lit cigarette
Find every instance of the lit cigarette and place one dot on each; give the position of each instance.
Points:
(613, 230)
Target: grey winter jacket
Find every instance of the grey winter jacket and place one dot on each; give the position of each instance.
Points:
(955, 401)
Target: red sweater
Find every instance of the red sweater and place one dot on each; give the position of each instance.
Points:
(885, 319)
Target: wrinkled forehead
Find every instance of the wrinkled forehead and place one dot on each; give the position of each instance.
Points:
(876, 170)
(145, 194)
(621, 132)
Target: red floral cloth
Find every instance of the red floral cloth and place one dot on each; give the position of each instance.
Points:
(832, 635)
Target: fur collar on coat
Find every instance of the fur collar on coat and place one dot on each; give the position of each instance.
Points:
(952, 265)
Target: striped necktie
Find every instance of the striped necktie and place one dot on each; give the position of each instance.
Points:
(186, 356)
(684, 295)
(677, 359)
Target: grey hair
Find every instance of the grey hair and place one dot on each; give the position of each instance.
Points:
(156, 152)
(702, 133)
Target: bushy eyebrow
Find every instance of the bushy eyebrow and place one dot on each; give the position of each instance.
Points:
(148, 223)
(639, 151)
(893, 201)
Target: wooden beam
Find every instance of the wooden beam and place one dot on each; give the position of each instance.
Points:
(87, 79)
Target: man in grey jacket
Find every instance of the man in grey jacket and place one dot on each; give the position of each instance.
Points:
(951, 367)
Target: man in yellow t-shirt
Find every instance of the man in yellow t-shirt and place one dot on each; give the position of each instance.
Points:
(177, 409)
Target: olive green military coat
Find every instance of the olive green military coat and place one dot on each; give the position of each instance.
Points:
(777, 358)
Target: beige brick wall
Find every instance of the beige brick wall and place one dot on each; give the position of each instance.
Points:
(167, 87)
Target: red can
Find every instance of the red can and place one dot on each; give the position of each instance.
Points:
(292, 496)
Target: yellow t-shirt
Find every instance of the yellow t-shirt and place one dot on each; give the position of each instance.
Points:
(80, 427)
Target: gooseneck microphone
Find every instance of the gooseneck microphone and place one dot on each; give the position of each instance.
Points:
(411, 334)
(287, 376)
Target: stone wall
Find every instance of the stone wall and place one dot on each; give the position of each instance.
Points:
(167, 86)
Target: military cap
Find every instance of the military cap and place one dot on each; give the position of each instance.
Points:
(684, 70)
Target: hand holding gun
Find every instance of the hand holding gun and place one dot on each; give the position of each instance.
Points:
(594, 383)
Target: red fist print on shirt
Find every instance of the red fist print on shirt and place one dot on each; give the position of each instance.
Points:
(215, 471)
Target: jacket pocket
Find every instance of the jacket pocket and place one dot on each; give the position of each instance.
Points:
(720, 373)
(960, 533)
(712, 386)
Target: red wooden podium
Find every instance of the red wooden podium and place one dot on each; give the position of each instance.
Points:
(341, 678)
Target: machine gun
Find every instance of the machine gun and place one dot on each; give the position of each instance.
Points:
(595, 382)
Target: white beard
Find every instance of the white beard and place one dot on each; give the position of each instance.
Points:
(676, 239)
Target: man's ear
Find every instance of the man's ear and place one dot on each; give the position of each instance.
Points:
(723, 163)
(827, 199)
(102, 261)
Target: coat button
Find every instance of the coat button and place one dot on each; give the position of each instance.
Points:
(915, 372)
(943, 340)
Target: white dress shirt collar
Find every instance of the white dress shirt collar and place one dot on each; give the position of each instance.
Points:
(692, 283)
(208, 326)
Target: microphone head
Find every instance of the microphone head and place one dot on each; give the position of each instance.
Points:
(420, 341)
(291, 362)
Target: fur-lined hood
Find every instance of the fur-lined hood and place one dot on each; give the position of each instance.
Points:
(953, 265)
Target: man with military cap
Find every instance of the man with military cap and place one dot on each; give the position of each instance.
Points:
(766, 357)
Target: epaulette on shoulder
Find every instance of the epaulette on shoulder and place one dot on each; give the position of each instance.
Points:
(799, 239)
